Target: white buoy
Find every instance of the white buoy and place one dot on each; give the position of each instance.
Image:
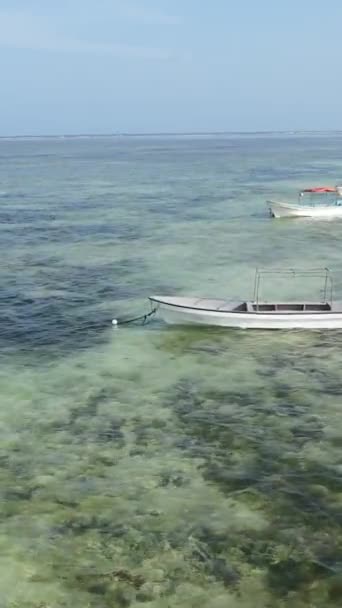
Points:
(115, 322)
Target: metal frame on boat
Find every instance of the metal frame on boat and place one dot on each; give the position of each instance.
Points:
(323, 273)
(256, 313)
(315, 207)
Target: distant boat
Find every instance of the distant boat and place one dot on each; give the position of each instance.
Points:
(315, 207)
(256, 314)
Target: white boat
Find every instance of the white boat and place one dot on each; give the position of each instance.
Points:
(315, 207)
(255, 314)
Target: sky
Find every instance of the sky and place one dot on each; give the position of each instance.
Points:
(137, 66)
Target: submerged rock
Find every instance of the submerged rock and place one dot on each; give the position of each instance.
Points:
(176, 478)
(223, 571)
(119, 596)
(112, 432)
(335, 589)
(289, 575)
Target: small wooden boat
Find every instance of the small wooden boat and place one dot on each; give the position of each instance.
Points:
(329, 204)
(255, 314)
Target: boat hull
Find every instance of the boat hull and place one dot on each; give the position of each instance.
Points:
(178, 315)
(279, 209)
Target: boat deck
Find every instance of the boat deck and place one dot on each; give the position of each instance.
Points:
(220, 305)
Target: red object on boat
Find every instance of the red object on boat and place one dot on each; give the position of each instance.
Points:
(319, 190)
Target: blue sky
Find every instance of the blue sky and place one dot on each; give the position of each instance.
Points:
(102, 66)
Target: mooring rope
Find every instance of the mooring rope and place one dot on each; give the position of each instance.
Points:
(142, 318)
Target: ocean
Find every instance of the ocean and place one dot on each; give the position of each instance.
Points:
(154, 466)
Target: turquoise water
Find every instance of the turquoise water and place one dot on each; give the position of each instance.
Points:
(154, 466)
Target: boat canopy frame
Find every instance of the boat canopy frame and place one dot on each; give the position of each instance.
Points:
(313, 192)
(320, 190)
(322, 273)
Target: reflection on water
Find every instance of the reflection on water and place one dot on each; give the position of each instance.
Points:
(155, 466)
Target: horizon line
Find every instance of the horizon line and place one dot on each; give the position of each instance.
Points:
(170, 133)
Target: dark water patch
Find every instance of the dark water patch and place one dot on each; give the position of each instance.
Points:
(146, 433)
(6, 217)
(28, 215)
(69, 320)
(107, 199)
(291, 559)
(90, 407)
(187, 207)
(53, 323)
(195, 215)
(332, 388)
(85, 423)
(169, 208)
(121, 280)
(101, 396)
(53, 331)
(274, 173)
(181, 341)
(218, 567)
(89, 280)
(78, 523)
(118, 587)
(39, 233)
(173, 478)
(15, 195)
(298, 495)
(10, 297)
(111, 433)
(18, 493)
(327, 340)
(118, 231)
(291, 574)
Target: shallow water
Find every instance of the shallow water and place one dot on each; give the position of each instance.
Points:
(154, 466)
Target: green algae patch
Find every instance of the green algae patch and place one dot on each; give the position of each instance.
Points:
(206, 472)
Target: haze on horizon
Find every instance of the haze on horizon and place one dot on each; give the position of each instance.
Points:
(137, 66)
